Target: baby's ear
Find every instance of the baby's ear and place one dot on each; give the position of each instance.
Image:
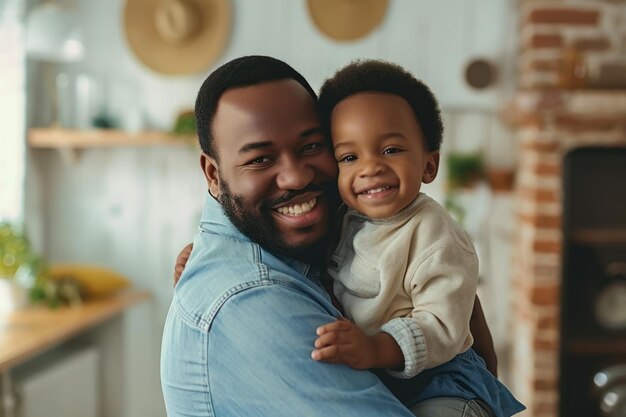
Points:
(431, 168)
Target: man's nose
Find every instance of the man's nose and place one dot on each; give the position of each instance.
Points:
(294, 175)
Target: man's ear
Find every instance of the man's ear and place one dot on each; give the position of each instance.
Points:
(431, 168)
(211, 173)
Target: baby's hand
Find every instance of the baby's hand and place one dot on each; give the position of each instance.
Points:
(343, 342)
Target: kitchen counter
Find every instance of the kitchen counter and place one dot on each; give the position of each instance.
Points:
(29, 332)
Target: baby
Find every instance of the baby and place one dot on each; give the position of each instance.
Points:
(404, 271)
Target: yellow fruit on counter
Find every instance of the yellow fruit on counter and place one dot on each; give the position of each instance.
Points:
(93, 281)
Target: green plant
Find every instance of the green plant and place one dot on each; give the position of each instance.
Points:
(15, 249)
(464, 169)
(185, 124)
(20, 264)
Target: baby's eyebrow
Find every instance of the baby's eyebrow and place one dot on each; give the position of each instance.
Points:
(342, 144)
(392, 135)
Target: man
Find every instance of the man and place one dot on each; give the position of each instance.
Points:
(241, 327)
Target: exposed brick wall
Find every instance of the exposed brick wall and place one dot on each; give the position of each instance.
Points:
(550, 123)
(586, 36)
(569, 49)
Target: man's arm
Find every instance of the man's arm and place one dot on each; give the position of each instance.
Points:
(483, 342)
(276, 350)
(257, 351)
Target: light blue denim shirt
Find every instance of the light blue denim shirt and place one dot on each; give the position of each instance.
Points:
(240, 331)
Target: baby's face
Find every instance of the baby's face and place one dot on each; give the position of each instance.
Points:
(381, 153)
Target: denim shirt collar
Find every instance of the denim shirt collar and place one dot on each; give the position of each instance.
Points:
(215, 220)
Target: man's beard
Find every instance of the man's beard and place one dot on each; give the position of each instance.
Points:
(260, 226)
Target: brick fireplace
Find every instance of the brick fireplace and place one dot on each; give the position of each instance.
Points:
(571, 93)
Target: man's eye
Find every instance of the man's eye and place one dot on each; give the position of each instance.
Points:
(312, 147)
(347, 158)
(261, 160)
(391, 151)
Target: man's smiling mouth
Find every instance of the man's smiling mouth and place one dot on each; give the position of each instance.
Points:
(298, 209)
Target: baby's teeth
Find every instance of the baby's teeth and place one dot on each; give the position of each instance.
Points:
(376, 190)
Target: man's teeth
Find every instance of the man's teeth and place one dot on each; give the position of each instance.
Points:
(376, 190)
(298, 209)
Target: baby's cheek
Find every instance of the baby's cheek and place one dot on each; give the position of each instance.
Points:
(344, 183)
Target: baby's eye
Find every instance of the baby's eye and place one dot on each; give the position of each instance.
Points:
(391, 150)
(347, 158)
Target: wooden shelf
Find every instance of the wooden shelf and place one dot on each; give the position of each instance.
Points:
(600, 236)
(60, 138)
(596, 347)
(529, 106)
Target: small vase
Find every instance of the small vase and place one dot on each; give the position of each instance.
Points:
(13, 296)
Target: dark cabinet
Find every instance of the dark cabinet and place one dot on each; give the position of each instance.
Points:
(593, 298)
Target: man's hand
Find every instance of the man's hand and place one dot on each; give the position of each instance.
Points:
(181, 261)
(343, 342)
(483, 342)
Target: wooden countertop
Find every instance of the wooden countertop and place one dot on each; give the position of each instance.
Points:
(31, 331)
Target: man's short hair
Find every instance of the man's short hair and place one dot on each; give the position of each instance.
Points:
(384, 77)
(240, 72)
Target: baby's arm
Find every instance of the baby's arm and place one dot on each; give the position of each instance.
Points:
(343, 342)
(442, 288)
(483, 343)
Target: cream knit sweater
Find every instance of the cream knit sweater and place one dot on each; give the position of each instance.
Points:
(413, 276)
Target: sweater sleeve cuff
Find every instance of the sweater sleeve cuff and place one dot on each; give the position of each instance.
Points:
(410, 338)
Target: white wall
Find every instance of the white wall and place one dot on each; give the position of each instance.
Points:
(433, 39)
(133, 209)
(12, 105)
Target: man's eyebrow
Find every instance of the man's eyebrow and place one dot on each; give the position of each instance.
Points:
(312, 131)
(248, 147)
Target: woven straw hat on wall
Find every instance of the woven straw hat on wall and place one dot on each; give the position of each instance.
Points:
(177, 36)
(347, 20)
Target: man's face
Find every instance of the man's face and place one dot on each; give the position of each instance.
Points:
(275, 176)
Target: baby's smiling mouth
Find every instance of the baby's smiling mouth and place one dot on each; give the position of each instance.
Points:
(375, 190)
(298, 209)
